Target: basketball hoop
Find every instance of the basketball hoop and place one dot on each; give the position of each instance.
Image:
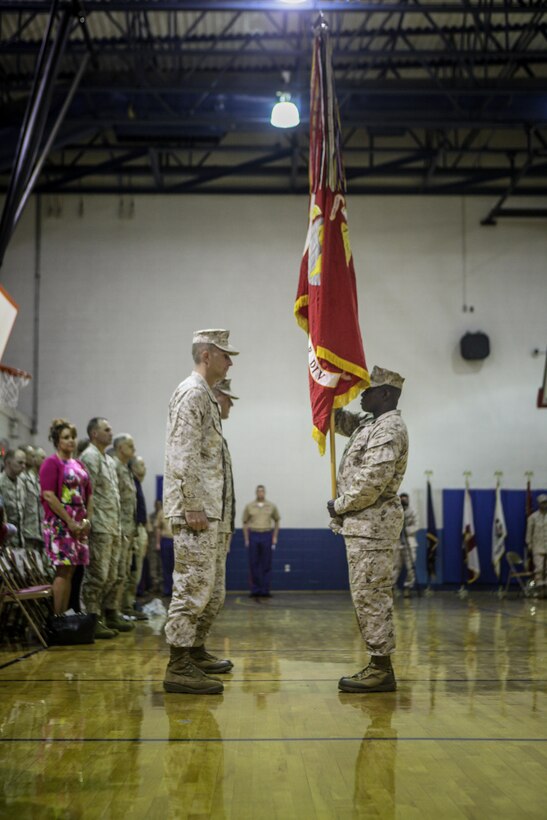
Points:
(11, 382)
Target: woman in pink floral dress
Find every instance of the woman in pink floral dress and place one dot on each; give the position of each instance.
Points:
(68, 504)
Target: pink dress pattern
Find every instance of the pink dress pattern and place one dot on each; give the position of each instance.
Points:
(62, 547)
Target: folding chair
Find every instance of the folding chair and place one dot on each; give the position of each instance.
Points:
(515, 561)
(13, 590)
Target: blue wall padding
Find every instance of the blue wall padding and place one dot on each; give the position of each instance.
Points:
(317, 560)
(317, 557)
(514, 507)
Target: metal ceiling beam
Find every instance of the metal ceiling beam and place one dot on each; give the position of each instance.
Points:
(370, 189)
(17, 44)
(27, 157)
(207, 80)
(56, 174)
(334, 6)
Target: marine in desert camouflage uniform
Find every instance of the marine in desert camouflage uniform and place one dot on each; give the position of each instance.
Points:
(33, 511)
(193, 496)
(368, 513)
(224, 396)
(12, 493)
(124, 450)
(99, 587)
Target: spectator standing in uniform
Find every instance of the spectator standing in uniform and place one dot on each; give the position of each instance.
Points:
(33, 513)
(536, 539)
(164, 545)
(12, 490)
(193, 496)
(140, 542)
(404, 553)
(260, 532)
(68, 501)
(369, 514)
(100, 584)
(124, 451)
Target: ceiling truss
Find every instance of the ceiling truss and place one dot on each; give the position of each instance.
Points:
(175, 97)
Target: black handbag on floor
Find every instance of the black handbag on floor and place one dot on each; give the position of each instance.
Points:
(70, 630)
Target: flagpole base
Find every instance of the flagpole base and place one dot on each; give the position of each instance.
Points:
(463, 593)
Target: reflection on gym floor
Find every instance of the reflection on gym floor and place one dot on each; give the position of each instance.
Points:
(88, 732)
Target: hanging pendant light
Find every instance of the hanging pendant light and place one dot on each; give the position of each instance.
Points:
(285, 114)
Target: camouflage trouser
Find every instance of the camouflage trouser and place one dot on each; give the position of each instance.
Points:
(196, 598)
(540, 568)
(218, 597)
(123, 570)
(370, 573)
(136, 558)
(99, 586)
(404, 556)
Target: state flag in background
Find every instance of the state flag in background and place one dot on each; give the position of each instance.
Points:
(529, 559)
(499, 533)
(469, 544)
(431, 536)
(326, 299)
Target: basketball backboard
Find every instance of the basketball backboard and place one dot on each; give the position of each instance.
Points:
(8, 315)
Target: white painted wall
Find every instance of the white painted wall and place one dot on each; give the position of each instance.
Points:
(121, 297)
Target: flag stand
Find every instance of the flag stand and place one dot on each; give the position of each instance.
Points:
(463, 591)
(334, 491)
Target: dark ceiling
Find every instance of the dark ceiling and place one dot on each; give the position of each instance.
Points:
(175, 96)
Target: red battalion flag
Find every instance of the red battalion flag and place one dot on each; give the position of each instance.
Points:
(326, 301)
(470, 549)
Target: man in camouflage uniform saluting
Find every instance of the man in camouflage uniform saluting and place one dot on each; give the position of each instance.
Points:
(369, 514)
(193, 495)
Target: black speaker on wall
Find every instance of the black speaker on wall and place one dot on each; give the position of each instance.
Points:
(475, 346)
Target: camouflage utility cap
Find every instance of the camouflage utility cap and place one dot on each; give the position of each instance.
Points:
(542, 498)
(218, 338)
(224, 387)
(380, 377)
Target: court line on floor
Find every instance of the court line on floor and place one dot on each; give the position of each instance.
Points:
(21, 658)
(281, 651)
(272, 739)
(271, 680)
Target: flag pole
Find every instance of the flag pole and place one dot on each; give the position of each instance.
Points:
(498, 476)
(464, 592)
(429, 591)
(527, 554)
(332, 455)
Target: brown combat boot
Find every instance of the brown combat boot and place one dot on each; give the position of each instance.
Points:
(209, 663)
(184, 678)
(114, 620)
(378, 676)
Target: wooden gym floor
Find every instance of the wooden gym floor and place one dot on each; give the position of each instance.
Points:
(89, 733)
